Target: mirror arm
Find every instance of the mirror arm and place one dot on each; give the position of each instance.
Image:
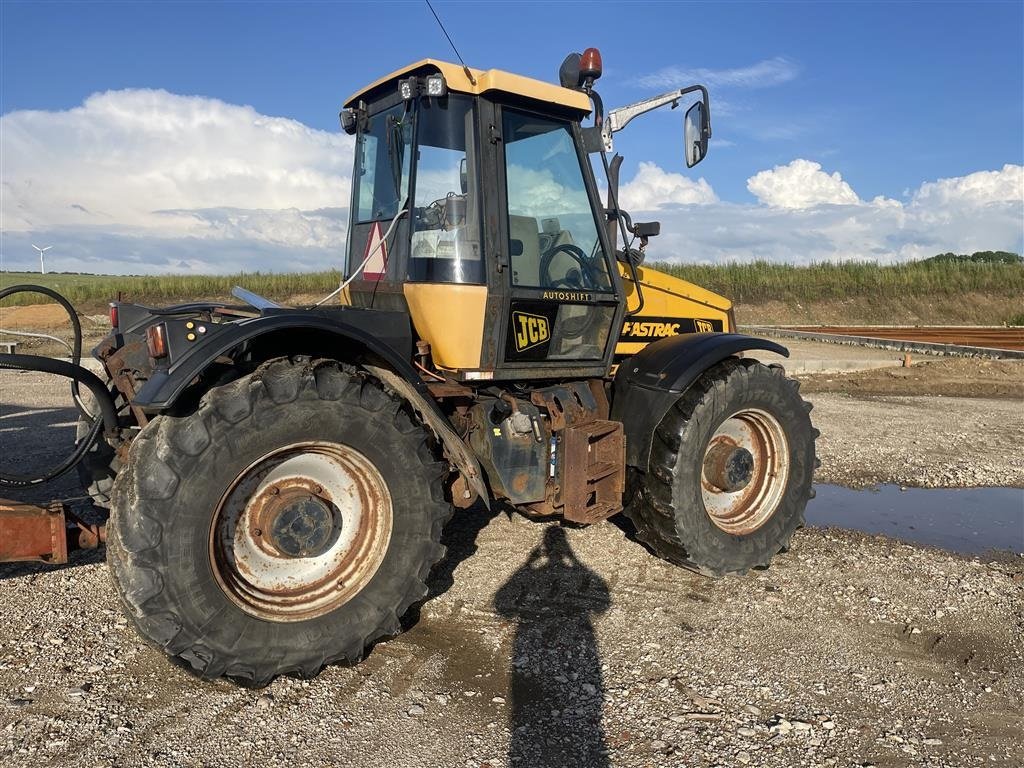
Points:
(617, 119)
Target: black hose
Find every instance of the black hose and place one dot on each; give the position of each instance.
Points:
(73, 371)
(76, 328)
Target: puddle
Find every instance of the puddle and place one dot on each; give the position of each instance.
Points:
(966, 520)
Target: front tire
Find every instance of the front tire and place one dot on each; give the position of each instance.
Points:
(730, 471)
(286, 524)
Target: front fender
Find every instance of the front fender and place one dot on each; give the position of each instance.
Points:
(649, 383)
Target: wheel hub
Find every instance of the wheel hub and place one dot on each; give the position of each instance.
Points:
(301, 531)
(745, 471)
(728, 467)
(301, 524)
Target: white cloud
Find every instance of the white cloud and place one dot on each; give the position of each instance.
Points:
(763, 74)
(654, 188)
(147, 181)
(825, 220)
(801, 184)
(982, 187)
(123, 157)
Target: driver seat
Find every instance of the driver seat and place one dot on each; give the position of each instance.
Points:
(524, 247)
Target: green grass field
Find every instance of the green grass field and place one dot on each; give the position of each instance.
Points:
(937, 283)
(94, 291)
(760, 282)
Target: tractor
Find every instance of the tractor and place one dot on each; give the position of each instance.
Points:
(278, 478)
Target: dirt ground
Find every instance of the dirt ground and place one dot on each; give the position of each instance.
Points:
(948, 377)
(548, 646)
(967, 309)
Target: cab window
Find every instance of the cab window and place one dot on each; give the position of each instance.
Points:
(384, 163)
(446, 220)
(554, 239)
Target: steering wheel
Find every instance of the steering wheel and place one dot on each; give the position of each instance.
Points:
(585, 276)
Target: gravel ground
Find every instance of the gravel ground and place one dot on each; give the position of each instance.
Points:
(550, 646)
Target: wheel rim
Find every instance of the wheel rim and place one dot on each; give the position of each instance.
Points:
(745, 471)
(301, 531)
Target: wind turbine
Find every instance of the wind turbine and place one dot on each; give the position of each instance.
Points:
(42, 264)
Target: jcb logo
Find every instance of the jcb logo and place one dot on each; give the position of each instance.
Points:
(703, 326)
(650, 330)
(530, 330)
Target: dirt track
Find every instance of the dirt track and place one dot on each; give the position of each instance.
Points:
(850, 650)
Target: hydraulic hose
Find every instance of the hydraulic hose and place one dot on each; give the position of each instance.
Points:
(78, 375)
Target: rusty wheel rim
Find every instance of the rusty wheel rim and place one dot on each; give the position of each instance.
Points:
(301, 531)
(748, 446)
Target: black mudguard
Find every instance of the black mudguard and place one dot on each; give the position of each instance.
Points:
(386, 334)
(648, 383)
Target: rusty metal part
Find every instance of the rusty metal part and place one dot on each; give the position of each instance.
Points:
(968, 336)
(32, 533)
(567, 404)
(455, 449)
(592, 468)
(594, 471)
(463, 496)
(727, 466)
(443, 389)
(737, 507)
(37, 534)
(301, 531)
(127, 366)
(971, 341)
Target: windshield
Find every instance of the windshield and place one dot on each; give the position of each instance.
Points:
(384, 161)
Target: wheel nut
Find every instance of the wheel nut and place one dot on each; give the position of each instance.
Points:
(318, 489)
(274, 490)
(257, 532)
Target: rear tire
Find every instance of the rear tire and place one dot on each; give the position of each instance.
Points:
(286, 524)
(687, 519)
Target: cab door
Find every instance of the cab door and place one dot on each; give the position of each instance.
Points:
(562, 297)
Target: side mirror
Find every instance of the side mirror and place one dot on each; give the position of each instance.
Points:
(695, 134)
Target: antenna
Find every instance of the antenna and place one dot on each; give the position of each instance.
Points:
(465, 69)
(42, 264)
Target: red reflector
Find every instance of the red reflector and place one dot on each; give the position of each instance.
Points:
(590, 63)
(113, 315)
(156, 340)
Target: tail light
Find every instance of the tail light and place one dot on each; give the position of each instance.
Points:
(113, 315)
(156, 340)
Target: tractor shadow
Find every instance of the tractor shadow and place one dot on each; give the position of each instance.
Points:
(556, 689)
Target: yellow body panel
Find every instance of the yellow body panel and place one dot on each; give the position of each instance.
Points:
(487, 81)
(667, 297)
(451, 318)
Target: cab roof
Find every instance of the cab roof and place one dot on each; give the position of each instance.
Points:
(487, 81)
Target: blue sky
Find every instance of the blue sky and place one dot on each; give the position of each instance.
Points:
(889, 96)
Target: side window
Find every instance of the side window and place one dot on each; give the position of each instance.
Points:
(385, 160)
(554, 241)
(446, 220)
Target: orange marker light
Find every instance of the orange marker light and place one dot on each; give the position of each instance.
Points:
(156, 340)
(590, 64)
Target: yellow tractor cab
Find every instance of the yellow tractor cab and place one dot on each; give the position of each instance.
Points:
(474, 208)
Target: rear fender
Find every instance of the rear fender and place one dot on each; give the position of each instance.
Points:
(651, 381)
(386, 344)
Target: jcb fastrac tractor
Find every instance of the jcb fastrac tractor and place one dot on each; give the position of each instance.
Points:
(278, 478)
